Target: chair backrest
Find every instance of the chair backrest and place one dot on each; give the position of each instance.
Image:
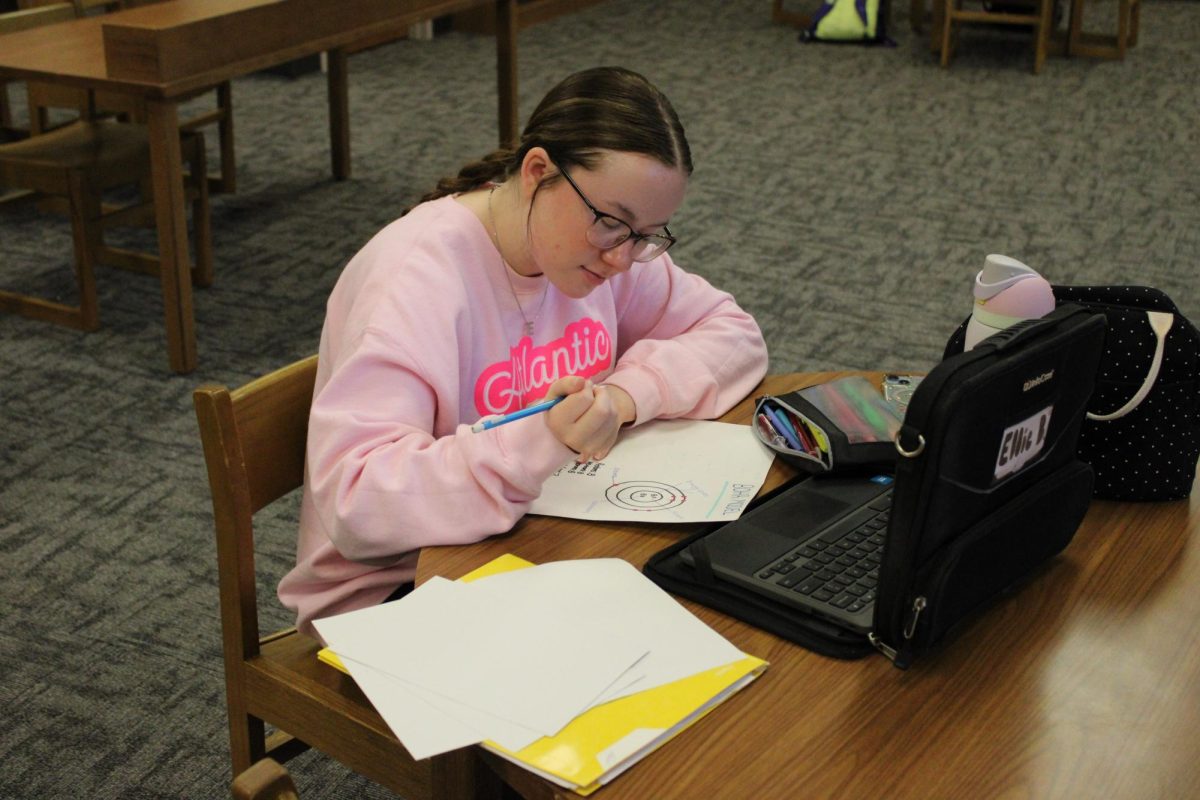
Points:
(44, 98)
(33, 15)
(26, 18)
(254, 440)
(81, 6)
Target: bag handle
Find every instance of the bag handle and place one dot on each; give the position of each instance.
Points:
(1160, 323)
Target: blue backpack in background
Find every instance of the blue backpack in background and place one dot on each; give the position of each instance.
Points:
(853, 21)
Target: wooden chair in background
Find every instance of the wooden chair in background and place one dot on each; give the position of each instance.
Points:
(254, 441)
(80, 5)
(924, 19)
(1040, 17)
(785, 16)
(23, 19)
(78, 164)
(265, 780)
(43, 98)
(73, 167)
(6, 120)
(1100, 45)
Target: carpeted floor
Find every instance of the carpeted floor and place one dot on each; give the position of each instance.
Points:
(845, 195)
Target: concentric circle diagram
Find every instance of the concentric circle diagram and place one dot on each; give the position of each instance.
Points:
(644, 496)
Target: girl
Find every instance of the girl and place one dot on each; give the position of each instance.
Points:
(535, 273)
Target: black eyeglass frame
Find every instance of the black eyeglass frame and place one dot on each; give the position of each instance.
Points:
(665, 236)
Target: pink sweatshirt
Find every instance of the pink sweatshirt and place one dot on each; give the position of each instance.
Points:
(423, 337)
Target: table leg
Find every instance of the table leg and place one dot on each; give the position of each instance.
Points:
(339, 114)
(937, 21)
(225, 138)
(5, 114)
(462, 775)
(506, 70)
(167, 170)
(1075, 27)
(1122, 27)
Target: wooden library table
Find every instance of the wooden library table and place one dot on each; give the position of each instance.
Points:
(171, 51)
(1086, 683)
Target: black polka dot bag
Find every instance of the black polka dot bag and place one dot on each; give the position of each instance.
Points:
(1142, 433)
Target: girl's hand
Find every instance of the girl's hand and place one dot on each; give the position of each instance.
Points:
(590, 418)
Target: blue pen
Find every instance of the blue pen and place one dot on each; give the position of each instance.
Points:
(528, 411)
(784, 428)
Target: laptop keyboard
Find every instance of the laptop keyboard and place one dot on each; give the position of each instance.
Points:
(839, 567)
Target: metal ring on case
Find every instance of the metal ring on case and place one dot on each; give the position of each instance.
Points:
(910, 453)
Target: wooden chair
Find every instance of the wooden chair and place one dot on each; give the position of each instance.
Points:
(80, 5)
(44, 97)
(266, 780)
(78, 164)
(73, 167)
(919, 17)
(22, 19)
(1039, 18)
(1101, 45)
(254, 440)
(784, 16)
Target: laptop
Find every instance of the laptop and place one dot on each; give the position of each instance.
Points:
(993, 487)
(815, 547)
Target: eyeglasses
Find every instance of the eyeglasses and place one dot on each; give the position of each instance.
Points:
(607, 231)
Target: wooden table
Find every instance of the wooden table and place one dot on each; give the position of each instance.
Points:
(169, 52)
(1085, 684)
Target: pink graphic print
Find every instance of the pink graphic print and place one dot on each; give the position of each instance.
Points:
(585, 349)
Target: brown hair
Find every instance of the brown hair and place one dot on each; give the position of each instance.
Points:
(604, 108)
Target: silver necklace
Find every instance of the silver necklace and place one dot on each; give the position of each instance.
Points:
(529, 323)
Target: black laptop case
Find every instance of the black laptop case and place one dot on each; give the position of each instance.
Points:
(988, 488)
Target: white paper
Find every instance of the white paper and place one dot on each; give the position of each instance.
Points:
(508, 657)
(517, 655)
(424, 730)
(608, 599)
(428, 724)
(663, 471)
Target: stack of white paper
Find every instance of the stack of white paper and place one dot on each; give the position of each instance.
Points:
(513, 657)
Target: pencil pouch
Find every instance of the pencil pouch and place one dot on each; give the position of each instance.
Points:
(838, 427)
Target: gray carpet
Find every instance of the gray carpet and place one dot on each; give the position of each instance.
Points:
(845, 195)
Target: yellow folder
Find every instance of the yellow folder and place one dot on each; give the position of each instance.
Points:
(604, 741)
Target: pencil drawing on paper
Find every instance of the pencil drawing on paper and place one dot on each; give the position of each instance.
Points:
(644, 495)
(664, 471)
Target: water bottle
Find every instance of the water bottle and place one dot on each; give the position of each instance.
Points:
(1006, 292)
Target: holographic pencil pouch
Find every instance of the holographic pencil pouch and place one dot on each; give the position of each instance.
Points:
(841, 426)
